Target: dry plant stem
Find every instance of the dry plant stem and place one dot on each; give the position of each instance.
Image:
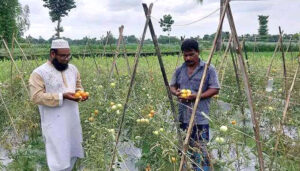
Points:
(126, 57)
(116, 52)
(283, 65)
(162, 68)
(241, 105)
(224, 57)
(104, 51)
(273, 56)
(247, 89)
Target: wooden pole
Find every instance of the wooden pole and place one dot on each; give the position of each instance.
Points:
(125, 55)
(247, 88)
(104, 50)
(95, 62)
(237, 79)
(112, 52)
(191, 123)
(24, 56)
(162, 68)
(273, 56)
(246, 54)
(282, 121)
(130, 86)
(283, 65)
(11, 64)
(117, 51)
(225, 54)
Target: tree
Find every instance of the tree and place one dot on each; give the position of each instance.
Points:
(57, 10)
(130, 39)
(166, 24)
(23, 22)
(263, 26)
(8, 14)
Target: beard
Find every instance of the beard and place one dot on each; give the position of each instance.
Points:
(59, 66)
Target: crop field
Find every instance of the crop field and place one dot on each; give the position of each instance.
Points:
(150, 141)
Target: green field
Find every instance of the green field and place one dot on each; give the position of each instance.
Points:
(239, 149)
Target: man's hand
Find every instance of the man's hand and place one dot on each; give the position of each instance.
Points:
(175, 91)
(70, 96)
(84, 99)
(189, 98)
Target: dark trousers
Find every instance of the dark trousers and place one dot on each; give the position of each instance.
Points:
(199, 139)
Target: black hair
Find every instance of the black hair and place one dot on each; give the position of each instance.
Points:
(55, 50)
(189, 44)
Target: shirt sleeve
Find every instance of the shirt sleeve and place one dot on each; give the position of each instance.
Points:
(38, 92)
(213, 81)
(78, 83)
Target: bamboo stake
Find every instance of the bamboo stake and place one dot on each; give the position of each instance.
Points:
(11, 64)
(112, 52)
(125, 55)
(95, 62)
(131, 85)
(104, 50)
(283, 65)
(117, 51)
(24, 56)
(225, 54)
(13, 61)
(241, 104)
(223, 73)
(282, 121)
(161, 64)
(247, 88)
(274, 53)
(191, 123)
(246, 54)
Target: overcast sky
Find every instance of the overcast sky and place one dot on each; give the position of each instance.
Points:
(93, 18)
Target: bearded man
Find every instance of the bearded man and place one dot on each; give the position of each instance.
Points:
(52, 88)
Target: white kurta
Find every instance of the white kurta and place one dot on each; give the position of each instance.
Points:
(60, 124)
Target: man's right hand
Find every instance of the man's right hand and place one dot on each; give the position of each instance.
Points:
(175, 91)
(70, 96)
(178, 92)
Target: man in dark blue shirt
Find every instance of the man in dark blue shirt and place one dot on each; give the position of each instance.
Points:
(188, 76)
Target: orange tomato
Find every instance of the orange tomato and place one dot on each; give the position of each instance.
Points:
(77, 95)
(233, 122)
(84, 95)
(151, 115)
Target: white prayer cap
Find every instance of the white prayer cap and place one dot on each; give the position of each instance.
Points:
(60, 44)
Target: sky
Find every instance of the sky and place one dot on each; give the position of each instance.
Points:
(93, 18)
